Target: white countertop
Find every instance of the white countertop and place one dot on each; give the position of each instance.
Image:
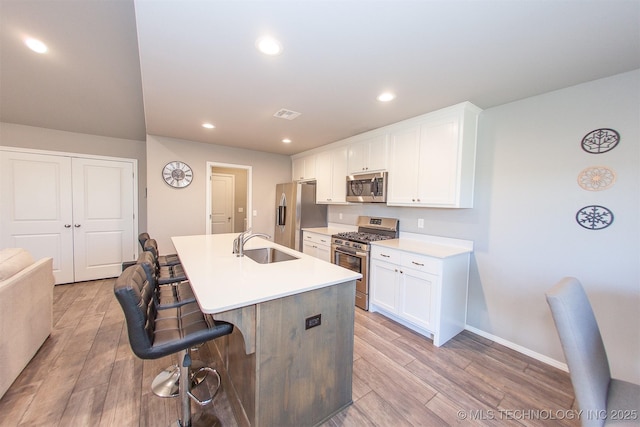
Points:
(435, 246)
(331, 229)
(221, 281)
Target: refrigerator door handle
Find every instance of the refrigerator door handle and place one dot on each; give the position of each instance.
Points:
(281, 215)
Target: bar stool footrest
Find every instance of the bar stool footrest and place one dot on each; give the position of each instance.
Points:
(217, 388)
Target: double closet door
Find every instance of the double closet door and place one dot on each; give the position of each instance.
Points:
(79, 211)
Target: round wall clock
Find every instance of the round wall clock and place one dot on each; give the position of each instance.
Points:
(177, 174)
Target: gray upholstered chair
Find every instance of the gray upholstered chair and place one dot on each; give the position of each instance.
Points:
(602, 399)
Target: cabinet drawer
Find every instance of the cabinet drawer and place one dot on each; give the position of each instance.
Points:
(317, 238)
(421, 263)
(385, 254)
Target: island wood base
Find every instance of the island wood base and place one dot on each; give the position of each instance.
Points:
(292, 376)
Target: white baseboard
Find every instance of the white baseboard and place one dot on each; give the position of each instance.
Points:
(520, 349)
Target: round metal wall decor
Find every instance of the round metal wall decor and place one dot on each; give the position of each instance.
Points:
(600, 141)
(594, 217)
(596, 178)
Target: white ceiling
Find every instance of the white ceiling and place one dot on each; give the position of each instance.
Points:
(196, 61)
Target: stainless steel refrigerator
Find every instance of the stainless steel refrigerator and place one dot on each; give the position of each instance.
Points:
(296, 209)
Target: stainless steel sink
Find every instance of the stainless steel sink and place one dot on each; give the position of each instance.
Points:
(268, 255)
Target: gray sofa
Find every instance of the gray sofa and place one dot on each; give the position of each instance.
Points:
(26, 310)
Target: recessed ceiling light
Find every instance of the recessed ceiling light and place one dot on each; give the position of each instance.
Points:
(286, 141)
(269, 45)
(36, 45)
(386, 97)
(208, 125)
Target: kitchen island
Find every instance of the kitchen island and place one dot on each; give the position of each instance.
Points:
(289, 360)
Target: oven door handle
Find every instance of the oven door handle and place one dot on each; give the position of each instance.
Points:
(353, 253)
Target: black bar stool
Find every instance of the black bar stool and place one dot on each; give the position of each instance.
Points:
(166, 273)
(164, 260)
(173, 291)
(157, 333)
(171, 295)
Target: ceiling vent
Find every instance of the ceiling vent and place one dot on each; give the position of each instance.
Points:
(286, 114)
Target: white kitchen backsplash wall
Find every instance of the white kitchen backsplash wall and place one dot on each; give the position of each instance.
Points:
(523, 221)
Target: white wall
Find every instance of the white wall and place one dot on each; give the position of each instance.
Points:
(523, 223)
(175, 212)
(12, 135)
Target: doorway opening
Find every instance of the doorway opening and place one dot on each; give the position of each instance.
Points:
(228, 198)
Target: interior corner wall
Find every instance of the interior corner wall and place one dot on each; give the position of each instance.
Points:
(36, 138)
(177, 212)
(524, 224)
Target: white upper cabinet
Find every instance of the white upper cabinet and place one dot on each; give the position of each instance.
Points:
(331, 173)
(304, 168)
(432, 160)
(368, 155)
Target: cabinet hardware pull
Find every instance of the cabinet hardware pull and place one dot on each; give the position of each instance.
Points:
(386, 256)
(67, 226)
(76, 225)
(417, 263)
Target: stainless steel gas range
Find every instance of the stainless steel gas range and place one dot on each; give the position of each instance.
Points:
(351, 250)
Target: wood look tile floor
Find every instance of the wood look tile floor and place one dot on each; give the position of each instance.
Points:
(86, 375)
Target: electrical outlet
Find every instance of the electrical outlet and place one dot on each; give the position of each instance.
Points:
(240, 209)
(313, 321)
(255, 213)
(340, 215)
(420, 223)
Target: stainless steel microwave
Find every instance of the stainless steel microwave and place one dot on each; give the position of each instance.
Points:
(369, 187)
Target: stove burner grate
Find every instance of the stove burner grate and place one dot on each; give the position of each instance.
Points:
(361, 237)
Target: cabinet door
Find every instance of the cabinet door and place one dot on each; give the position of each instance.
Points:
(439, 166)
(309, 248)
(324, 177)
(377, 153)
(339, 175)
(331, 172)
(297, 169)
(310, 167)
(384, 285)
(304, 168)
(403, 166)
(418, 295)
(358, 156)
(323, 252)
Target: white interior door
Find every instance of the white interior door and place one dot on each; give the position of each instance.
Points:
(36, 208)
(103, 217)
(222, 203)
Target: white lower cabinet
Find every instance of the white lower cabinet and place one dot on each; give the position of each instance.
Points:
(426, 294)
(317, 245)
